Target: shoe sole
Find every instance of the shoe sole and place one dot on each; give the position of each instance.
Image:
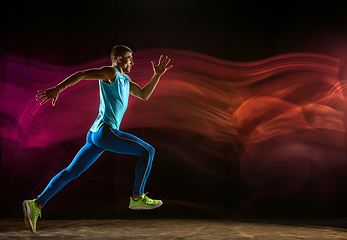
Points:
(27, 220)
(143, 208)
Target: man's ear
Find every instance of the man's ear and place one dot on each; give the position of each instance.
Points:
(119, 58)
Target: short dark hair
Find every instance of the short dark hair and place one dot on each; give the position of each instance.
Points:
(119, 50)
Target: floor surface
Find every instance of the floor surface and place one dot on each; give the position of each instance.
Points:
(177, 229)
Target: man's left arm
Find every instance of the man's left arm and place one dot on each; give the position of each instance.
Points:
(145, 92)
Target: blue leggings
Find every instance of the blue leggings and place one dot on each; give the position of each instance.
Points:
(97, 142)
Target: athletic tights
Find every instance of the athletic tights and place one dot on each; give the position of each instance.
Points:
(97, 142)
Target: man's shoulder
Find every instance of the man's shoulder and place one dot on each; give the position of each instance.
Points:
(108, 68)
(109, 71)
(109, 74)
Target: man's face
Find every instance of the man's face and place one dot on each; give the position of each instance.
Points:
(127, 62)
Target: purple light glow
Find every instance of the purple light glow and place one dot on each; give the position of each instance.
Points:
(225, 101)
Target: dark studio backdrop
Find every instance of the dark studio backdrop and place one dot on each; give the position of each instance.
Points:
(249, 122)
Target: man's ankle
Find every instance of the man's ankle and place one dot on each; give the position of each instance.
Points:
(38, 205)
(136, 197)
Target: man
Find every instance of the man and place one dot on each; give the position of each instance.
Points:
(104, 134)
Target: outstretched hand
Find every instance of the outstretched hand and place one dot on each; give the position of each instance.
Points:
(162, 66)
(51, 93)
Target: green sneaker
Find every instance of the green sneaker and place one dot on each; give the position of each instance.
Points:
(144, 203)
(31, 213)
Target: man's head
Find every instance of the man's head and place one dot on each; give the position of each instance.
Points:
(122, 57)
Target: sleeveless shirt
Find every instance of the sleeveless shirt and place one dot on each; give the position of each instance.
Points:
(113, 102)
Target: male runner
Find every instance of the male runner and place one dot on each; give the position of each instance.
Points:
(104, 134)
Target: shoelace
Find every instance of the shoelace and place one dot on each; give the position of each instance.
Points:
(147, 199)
(38, 214)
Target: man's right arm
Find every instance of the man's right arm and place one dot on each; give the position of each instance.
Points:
(107, 74)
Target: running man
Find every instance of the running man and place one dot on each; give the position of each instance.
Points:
(104, 134)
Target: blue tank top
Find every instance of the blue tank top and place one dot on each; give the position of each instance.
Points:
(113, 102)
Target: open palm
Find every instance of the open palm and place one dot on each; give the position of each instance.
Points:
(162, 66)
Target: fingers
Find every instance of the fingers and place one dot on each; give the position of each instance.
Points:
(162, 66)
(160, 60)
(43, 95)
(164, 61)
(167, 60)
(42, 92)
(39, 98)
(167, 63)
(44, 101)
(54, 100)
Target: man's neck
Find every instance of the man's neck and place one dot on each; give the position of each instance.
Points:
(119, 69)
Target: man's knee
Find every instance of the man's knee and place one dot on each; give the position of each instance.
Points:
(148, 150)
(151, 150)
